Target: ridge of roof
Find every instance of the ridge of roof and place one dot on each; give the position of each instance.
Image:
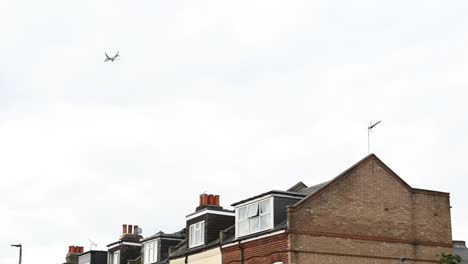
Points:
(297, 187)
(317, 189)
(177, 235)
(320, 187)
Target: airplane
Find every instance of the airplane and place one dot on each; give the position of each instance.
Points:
(111, 58)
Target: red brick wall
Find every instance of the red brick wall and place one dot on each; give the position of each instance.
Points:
(370, 215)
(266, 250)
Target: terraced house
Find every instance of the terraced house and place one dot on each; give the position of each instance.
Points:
(367, 214)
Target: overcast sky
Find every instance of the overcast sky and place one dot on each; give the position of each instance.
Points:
(228, 97)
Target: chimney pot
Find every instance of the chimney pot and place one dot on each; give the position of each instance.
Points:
(204, 199)
(124, 229)
(130, 229)
(201, 199)
(210, 199)
(70, 249)
(216, 200)
(135, 230)
(82, 250)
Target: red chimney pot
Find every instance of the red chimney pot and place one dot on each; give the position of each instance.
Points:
(201, 199)
(124, 229)
(216, 200)
(204, 199)
(130, 229)
(210, 199)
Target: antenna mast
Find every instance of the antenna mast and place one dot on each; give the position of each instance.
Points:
(92, 244)
(369, 129)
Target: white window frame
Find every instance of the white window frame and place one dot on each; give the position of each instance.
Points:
(113, 257)
(150, 252)
(253, 211)
(197, 227)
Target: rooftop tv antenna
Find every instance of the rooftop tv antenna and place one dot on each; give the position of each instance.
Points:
(92, 244)
(369, 130)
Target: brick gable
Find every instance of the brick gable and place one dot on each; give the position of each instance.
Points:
(369, 212)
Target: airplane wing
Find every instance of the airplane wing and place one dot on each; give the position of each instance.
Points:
(107, 55)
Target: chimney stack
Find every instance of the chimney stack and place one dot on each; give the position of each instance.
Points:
(130, 233)
(208, 200)
(73, 252)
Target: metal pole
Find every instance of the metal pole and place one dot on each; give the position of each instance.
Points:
(368, 141)
(21, 253)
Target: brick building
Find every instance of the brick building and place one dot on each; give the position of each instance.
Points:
(72, 255)
(127, 250)
(367, 214)
(203, 228)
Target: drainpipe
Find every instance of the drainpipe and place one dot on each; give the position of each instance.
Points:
(241, 252)
(186, 258)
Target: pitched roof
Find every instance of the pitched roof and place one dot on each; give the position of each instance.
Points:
(179, 234)
(297, 187)
(315, 190)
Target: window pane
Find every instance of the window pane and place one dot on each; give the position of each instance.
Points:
(202, 233)
(243, 228)
(252, 210)
(146, 260)
(265, 221)
(265, 206)
(254, 224)
(243, 213)
(155, 251)
(192, 235)
(116, 259)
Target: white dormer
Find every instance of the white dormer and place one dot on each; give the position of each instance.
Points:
(263, 212)
(254, 217)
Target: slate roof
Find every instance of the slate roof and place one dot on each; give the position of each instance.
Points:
(459, 248)
(179, 234)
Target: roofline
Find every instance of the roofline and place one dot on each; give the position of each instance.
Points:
(208, 210)
(273, 192)
(162, 236)
(92, 251)
(431, 192)
(254, 237)
(345, 173)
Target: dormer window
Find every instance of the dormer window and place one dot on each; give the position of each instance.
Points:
(150, 252)
(254, 217)
(197, 234)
